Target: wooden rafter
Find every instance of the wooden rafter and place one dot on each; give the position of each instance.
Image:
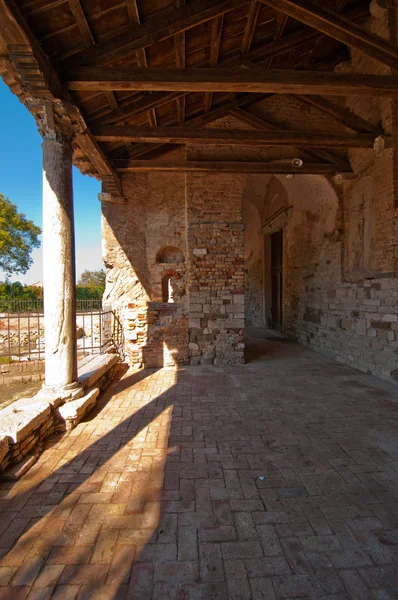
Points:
(81, 22)
(156, 29)
(232, 80)
(134, 16)
(179, 45)
(280, 26)
(338, 27)
(215, 42)
(275, 167)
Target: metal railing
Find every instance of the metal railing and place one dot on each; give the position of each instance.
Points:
(36, 305)
(22, 333)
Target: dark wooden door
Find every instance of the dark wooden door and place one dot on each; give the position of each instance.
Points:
(277, 279)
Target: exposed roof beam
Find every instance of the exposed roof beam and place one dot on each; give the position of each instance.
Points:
(338, 27)
(232, 80)
(187, 135)
(156, 29)
(341, 114)
(275, 167)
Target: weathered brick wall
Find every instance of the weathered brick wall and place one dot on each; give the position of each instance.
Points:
(199, 219)
(216, 268)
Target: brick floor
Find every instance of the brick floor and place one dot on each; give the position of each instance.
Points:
(273, 480)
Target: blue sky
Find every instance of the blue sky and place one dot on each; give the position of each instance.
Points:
(21, 182)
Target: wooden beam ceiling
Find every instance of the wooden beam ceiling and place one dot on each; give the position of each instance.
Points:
(338, 27)
(220, 137)
(274, 167)
(157, 28)
(232, 80)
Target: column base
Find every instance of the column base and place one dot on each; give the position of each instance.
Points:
(57, 395)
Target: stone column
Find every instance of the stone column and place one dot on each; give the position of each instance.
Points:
(59, 266)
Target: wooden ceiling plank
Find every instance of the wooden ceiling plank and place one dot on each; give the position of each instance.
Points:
(257, 122)
(341, 114)
(338, 27)
(156, 29)
(215, 42)
(274, 167)
(232, 80)
(237, 137)
(81, 22)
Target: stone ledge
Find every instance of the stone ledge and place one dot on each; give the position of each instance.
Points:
(93, 370)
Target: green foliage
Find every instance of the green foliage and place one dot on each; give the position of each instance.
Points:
(91, 285)
(18, 237)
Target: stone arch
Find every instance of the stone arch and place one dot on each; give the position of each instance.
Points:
(169, 254)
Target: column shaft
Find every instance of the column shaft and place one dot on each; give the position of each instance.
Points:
(59, 266)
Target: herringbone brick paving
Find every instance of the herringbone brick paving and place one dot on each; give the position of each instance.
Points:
(274, 480)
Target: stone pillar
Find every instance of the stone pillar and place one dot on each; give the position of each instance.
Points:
(59, 266)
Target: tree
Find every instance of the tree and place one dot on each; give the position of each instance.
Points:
(18, 237)
(92, 279)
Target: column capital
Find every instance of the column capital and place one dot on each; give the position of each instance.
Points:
(57, 120)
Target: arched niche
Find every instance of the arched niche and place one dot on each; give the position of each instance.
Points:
(169, 254)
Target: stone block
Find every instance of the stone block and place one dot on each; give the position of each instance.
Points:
(96, 368)
(3, 446)
(18, 420)
(72, 413)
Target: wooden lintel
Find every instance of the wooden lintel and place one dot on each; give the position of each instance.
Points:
(275, 167)
(232, 80)
(319, 17)
(187, 135)
(160, 27)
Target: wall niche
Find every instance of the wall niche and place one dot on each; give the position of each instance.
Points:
(169, 254)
